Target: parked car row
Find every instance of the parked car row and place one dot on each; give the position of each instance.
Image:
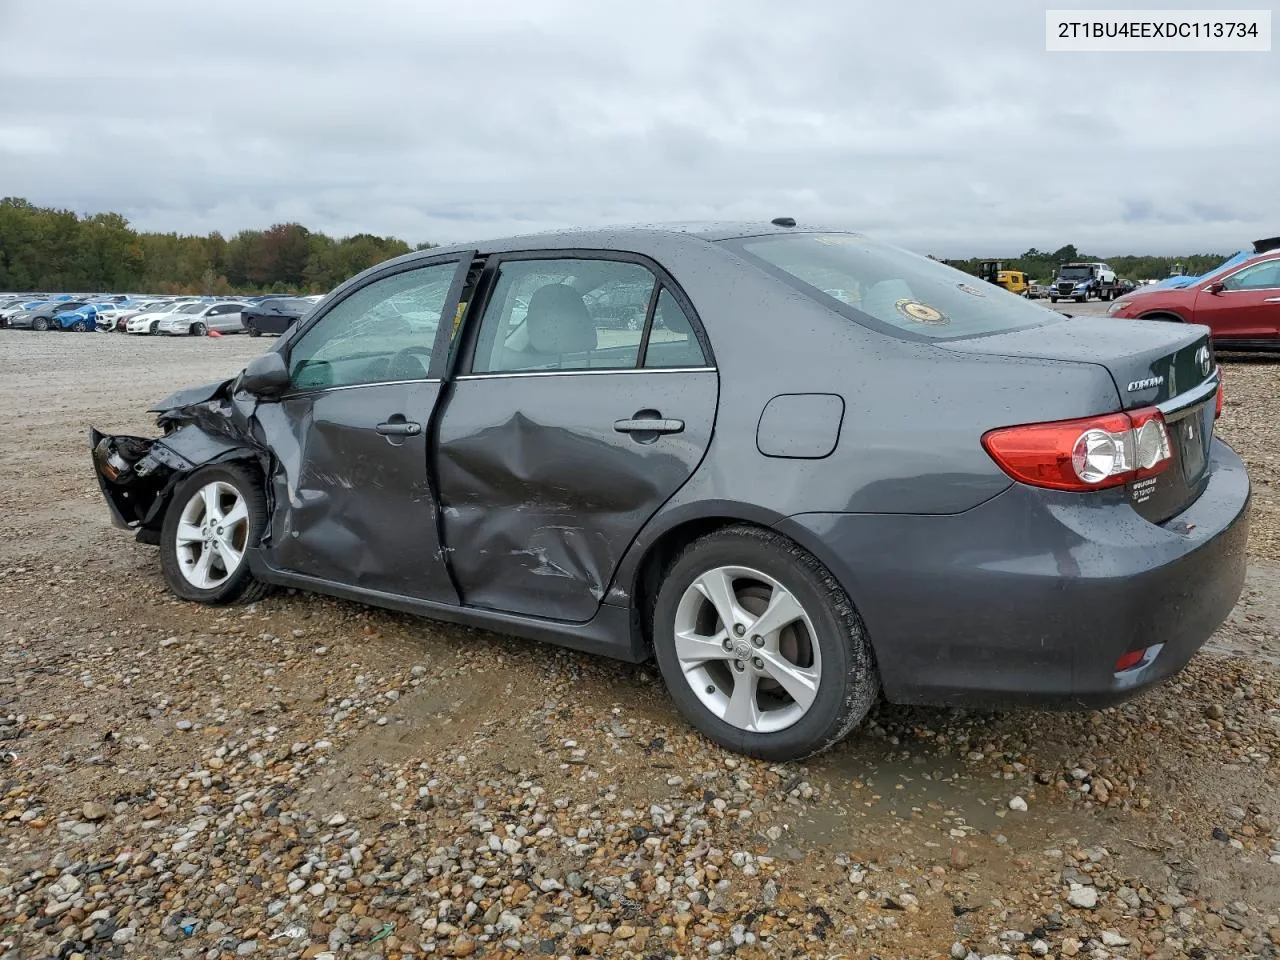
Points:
(175, 316)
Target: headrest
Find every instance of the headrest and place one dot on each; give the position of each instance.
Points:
(559, 322)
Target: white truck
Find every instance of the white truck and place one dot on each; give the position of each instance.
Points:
(1080, 281)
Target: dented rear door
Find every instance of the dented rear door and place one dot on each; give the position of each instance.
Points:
(549, 462)
(354, 497)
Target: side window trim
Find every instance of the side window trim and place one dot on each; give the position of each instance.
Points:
(487, 285)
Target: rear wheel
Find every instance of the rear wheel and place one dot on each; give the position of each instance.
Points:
(252, 328)
(1053, 299)
(760, 647)
(215, 516)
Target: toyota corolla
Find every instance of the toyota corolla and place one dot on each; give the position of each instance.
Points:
(818, 470)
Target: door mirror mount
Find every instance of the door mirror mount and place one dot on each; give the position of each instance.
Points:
(1215, 288)
(265, 375)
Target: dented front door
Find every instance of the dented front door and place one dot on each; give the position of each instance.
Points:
(353, 496)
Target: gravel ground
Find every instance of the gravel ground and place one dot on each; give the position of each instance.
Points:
(306, 777)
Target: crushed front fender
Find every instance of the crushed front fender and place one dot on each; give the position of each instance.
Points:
(137, 475)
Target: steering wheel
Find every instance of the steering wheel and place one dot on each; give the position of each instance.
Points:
(411, 363)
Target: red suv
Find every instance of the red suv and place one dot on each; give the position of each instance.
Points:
(1240, 303)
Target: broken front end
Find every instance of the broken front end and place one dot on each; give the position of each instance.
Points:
(137, 475)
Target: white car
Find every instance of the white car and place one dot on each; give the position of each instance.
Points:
(197, 319)
(147, 322)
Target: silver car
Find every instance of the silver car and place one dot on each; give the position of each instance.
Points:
(197, 319)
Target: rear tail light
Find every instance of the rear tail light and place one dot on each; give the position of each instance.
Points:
(1087, 454)
(1217, 402)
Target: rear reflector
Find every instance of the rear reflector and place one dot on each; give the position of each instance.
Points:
(1087, 454)
(1129, 660)
(1217, 403)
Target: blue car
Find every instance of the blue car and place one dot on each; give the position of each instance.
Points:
(81, 320)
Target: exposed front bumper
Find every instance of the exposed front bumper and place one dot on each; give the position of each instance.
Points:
(1033, 596)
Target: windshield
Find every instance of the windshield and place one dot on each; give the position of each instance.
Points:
(191, 308)
(891, 290)
(1074, 273)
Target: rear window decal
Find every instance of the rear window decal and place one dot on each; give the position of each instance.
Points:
(921, 312)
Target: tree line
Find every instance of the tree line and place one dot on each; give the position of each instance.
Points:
(1042, 266)
(45, 249)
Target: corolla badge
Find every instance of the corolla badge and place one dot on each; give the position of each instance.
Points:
(1137, 385)
(1202, 358)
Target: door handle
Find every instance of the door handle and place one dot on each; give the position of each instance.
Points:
(399, 428)
(648, 425)
(1272, 300)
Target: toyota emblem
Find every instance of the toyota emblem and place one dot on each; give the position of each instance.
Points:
(1202, 358)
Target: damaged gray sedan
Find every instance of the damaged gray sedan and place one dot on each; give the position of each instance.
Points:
(797, 468)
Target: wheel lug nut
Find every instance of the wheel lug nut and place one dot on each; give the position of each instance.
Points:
(739, 629)
(739, 665)
(727, 643)
(757, 663)
(757, 641)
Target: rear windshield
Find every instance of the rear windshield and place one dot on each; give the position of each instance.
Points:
(891, 290)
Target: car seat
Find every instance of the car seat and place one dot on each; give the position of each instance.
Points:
(557, 324)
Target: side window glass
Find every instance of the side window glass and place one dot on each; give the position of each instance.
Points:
(382, 332)
(575, 314)
(1259, 277)
(672, 342)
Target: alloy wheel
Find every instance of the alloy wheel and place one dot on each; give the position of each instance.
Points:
(747, 648)
(213, 531)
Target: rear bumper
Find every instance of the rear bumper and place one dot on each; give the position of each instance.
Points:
(1034, 595)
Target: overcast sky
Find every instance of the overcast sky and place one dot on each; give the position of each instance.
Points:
(942, 126)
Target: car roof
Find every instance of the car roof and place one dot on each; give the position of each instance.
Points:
(622, 237)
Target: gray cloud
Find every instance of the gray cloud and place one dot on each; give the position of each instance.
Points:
(946, 128)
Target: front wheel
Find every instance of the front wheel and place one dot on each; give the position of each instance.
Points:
(79, 326)
(760, 647)
(198, 329)
(40, 323)
(1053, 299)
(215, 516)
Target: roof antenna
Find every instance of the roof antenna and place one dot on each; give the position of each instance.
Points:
(783, 221)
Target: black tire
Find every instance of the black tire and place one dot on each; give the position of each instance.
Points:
(151, 330)
(40, 324)
(79, 326)
(198, 329)
(1081, 299)
(252, 328)
(1053, 299)
(241, 586)
(1166, 317)
(849, 682)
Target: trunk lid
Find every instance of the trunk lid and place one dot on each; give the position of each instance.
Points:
(1153, 364)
